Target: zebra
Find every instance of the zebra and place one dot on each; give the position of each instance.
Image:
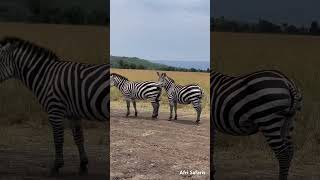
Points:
(264, 101)
(133, 91)
(178, 94)
(65, 90)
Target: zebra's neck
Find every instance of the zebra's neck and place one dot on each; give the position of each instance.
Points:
(34, 67)
(168, 85)
(121, 84)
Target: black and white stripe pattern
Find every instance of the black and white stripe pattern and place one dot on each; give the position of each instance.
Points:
(264, 101)
(64, 89)
(178, 94)
(133, 91)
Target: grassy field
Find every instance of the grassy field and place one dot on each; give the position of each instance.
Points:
(201, 79)
(296, 56)
(26, 137)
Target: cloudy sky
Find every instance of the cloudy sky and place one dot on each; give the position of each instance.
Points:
(160, 30)
(298, 12)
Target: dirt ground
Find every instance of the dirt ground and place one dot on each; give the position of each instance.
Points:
(27, 153)
(254, 167)
(143, 148)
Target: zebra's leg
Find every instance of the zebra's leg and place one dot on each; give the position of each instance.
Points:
(78, 138)
(58, 137)
(198, 108)
(279, 139)
(171, 108)
(128, 108)
(212, 146)
(175, 110)
(135, 108)
(155, 106)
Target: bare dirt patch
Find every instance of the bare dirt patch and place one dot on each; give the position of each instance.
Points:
(27, 153)
(143, 148)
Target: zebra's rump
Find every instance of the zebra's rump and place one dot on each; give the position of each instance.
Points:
(241, 104)
(188, 93)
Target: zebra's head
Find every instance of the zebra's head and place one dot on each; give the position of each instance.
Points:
(117, 79)
(165, 80)
(7, 47)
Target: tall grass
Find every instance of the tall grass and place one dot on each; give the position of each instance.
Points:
(296, 56)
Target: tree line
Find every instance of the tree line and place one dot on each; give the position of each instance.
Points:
(127, 65)
(40, 11)
(221, 24)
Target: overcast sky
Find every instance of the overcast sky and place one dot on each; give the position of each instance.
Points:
(160, 30)
(298, 12)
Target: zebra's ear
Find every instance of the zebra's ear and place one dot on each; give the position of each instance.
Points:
(158, 73)
(164, 74)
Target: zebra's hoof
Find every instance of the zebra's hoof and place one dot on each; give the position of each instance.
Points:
(170, 119)
(127, 114)
(197, 121)
(175, 118)
(136, 114)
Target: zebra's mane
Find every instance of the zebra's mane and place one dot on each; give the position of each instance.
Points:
(170, 79)
(120, 76)
(19, 42)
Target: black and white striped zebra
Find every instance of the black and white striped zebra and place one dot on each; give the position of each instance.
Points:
(181, 94)
(66, 90)
(264, 101)
(133, 91)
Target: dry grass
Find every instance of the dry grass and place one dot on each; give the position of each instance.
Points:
(88, 44)
(202, 79)
(296, 56)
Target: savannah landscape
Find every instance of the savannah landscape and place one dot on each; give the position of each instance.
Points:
(26, 148)
(144, 148)
(298, 57)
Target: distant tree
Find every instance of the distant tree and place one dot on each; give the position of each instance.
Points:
(292, 29)
(140, 66)
(193, 70)
(132, 66)
(266, 26)
(34, 6)
(314, 28)
(98, 17)
(74, 15)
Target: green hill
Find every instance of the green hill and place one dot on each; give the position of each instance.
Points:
(135, 63)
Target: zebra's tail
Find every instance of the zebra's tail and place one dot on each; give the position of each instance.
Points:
(204, 98)
(296, 98)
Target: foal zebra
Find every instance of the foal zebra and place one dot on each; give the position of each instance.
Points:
(264, 101)
(133, 91)
(178, 94)
(64, 89)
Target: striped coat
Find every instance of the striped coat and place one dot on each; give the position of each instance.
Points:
(64, 89)
(178, 94)
(133, 91)
(264, 101)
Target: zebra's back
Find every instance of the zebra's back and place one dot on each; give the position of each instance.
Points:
(245, 104)
(185, 94)
(83, 89)
(142, 90)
